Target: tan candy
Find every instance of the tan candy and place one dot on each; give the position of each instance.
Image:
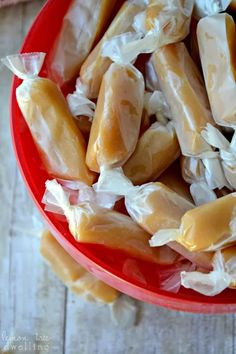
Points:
(116, 124)
(185, 93)
(59, 141)
(72, 273)
(157, 148)
(82, 26)
(172, 179)
(153, 206)
(205, 228)
(216, 39)
(91, 223)
(96, 65)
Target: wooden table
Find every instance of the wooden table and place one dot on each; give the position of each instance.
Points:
(34, 303)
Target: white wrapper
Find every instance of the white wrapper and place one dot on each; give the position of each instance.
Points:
(80, 193)
(227, 152)
(204, 8)
(172, 25)
(212, 283)
(201, 193)
(25, 66)
(155, 103)
(78, 102)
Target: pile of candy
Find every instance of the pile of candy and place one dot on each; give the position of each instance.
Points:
(155, 89)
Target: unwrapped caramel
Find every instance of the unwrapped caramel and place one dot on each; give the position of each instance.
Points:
(82, 26)
(73, 274)
(185, 93)
(216, 40)
(157, 148)
(95, 65)
(116, 124)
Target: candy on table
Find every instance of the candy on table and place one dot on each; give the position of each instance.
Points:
(116, 124)
(216, 39)
(184, 90)
(95, 65)
(162, 22)
(156, 149)
(204, 228)
(90, 223)
(222, 276)
(82, 26)
(58, 139)
(77, 278)
(153, 206)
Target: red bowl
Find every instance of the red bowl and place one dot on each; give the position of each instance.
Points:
(133, 277)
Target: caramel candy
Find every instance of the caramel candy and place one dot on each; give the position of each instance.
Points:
(59, 141)
(216, 39)
(152, 205)
(173, 180)
(116, 124)
(90, 223)
(172, 17)
(157, 148)
(96, 65)
(72, 273)
(82, 26)
(184, 90)
(205, 228)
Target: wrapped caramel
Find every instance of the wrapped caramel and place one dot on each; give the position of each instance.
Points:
(222, 276)
(82, 26)
(90, 223)
(72, 274)
(116, 124)
(161, 23)
(205, 228)
(153, 206)
(58, 139)
(95, 65)
(184, 90)
(173, 180)
(157, 148)
(216, 39)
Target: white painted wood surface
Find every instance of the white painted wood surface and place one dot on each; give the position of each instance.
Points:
(35, 304)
